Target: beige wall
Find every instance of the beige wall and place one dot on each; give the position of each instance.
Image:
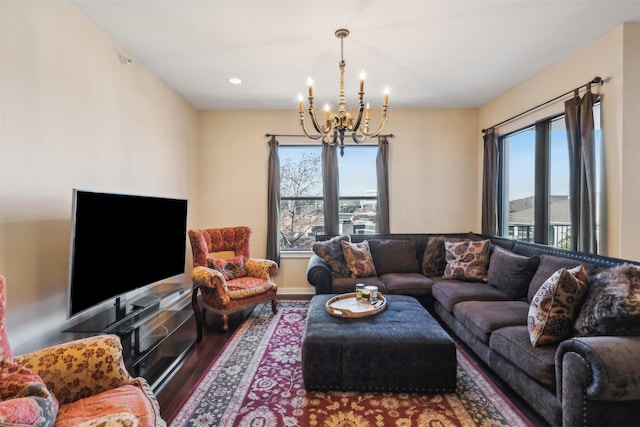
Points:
(425, 195)
(73, 117)
(615, 58)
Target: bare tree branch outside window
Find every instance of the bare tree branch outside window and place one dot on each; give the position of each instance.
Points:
(301, 206)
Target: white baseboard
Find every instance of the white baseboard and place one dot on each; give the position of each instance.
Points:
(309, 290)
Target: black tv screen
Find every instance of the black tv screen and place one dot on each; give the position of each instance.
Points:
(120, 243)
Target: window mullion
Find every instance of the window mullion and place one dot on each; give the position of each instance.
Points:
(541, 194)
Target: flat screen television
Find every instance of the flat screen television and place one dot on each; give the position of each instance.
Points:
(121, 243)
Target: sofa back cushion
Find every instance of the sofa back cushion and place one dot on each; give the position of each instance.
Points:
(394, 256)
(511, 273)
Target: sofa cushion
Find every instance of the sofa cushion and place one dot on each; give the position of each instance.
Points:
(394, 256)
(612, 306)
(124, 399)
(555, 306)
(510, 272)
(548, 265)
(512, 343)
(481, 318)
(433, 260)
(413, 284)
(467, 260)
(450, 292)
(331, 251)
(359, 259)
(25, 400)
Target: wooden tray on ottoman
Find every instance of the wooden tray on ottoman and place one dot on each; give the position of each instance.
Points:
(346, 305)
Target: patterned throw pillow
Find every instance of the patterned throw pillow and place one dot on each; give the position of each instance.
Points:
(359, 259)
(555, 306)
(467, 260)
(433, 260)
(229, 269)
(612, 306)
(331, 252)
(25, 401)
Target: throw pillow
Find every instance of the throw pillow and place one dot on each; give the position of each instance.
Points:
(394, 256)
(510, 272)
(331, 252)
(467, 260)
(555, 306)
(25, 401)
(232, 269)
(612, 306)
(434, 260)
(359, 259)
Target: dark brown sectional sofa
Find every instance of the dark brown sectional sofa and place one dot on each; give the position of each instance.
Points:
(582, 380)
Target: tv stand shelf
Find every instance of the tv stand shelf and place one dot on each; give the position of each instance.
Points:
(156, 332)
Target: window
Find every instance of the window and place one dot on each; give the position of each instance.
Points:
(534, 182)
(301, 203)
(358, 194)
(301, 193)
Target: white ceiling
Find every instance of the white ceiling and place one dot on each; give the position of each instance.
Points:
(431, 54)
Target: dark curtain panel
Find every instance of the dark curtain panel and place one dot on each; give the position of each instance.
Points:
(273, 202)
(580, 133)
(382, 171)
(490, 184)
(330, 189)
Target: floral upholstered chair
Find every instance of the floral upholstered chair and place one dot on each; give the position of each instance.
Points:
(226, 277)
(79, 383)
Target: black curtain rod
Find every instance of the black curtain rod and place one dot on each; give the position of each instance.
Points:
(596, 80)
(268, 135)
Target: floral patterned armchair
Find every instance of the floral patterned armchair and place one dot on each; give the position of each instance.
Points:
(79, 383)
(226, 277)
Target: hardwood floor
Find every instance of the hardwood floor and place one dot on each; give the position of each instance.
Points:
(178, 386)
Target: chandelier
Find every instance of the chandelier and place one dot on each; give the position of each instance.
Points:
(335, 125)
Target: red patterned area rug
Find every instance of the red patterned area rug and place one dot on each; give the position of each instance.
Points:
(257, 381)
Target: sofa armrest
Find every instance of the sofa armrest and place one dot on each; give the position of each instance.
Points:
(319, 274)
(80, 368)
(611, 362)
(264, 269)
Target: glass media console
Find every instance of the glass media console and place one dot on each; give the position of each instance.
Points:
(157, 330)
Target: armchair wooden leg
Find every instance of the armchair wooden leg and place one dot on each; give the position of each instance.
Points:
(274, 305)
(198, 314)
(225, 322)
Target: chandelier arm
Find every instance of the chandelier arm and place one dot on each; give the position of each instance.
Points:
(304, 129)
(377, 131)
(355, 127)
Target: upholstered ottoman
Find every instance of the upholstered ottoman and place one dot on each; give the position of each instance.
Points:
(402, 348)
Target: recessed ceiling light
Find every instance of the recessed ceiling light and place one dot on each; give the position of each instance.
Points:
(235, 81)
